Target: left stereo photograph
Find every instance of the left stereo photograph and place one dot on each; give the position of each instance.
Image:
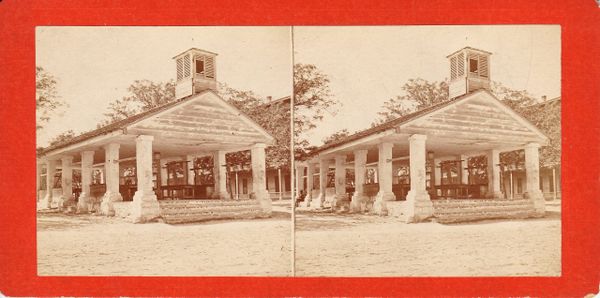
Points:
(163, 151)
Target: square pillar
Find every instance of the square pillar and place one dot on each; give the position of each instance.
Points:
(493, 173)
(87, 160)
(66, 182)
(360, 170)
(259, 188)
(384, 169)
(532, 173)
(280, 184)
(464, 173)
(220, 176)
(323, 169)
(310, 170)
(50, 172)
(189, 167)
(299, 180)
(111, 172)
(341, 198)
(418, 203)
(145, 205)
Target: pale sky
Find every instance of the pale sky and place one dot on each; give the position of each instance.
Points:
(95, 65)
(368, 65)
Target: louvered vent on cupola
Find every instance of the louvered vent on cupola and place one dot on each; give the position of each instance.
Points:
(469, 71)
(196, 72)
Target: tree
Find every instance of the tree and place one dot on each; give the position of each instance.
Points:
(312, 99)
(143, 95)
(336, 136)
(63, 137)
(46, 98)
(418, 94)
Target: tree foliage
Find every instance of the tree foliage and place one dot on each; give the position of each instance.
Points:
(46, 97)
(143, 95)
(336, 136)
(417, 94)
(312, 99)
(63, 137)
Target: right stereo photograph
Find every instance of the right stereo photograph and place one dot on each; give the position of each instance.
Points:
(427, 150)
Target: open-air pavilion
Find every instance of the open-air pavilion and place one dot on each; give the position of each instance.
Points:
(149, 158)
(417, 166)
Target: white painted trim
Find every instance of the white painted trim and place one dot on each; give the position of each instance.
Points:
(368, 138)
(493, 100)
(88, 142)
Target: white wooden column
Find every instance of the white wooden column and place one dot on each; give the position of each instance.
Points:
(464, 173)
(280, 184)
(323, 169)
(384, 169)
(237, 186)
(493, 174)
(360, 170)
(66, 181)
(310, 170)
(87, 160)
(145, 205)
(111, 172)
(532, 172)
(299, 180)
(341, 198)
(259, 188)
(418, 204)
(220, 176)
(190, 166)
(50, 172)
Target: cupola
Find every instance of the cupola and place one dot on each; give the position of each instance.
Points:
(196, 72)
(469, 71)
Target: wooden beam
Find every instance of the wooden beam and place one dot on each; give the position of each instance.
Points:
(200, 137)
(476, 129)
(197, 114)
(210, 119)
(499, 115)
(199, 130)
(488, 123)
(475, 137)
(196, 124)
(476, 119)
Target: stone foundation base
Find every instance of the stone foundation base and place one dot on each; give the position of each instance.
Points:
(83, 203)
(380, 205)
(144, 207)
(318, 202)
(396, 208)
(358, 203)
(539, 203)
(106, 207)
(418, 206)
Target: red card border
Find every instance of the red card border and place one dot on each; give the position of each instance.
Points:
(580, 27)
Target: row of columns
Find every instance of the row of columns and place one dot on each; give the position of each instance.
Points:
(145, 204)
(418, 203)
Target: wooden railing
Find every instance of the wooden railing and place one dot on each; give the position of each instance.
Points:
(459, 191)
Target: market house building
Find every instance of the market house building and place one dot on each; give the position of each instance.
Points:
(418, 166)
(144, 166)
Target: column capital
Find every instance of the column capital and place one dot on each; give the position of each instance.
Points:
(417, 137)
(532, 145)
(147, 138)
(259, 145)
(340, 157)
(113, 146)
(361, 152)
(66, 158)
(87, 153)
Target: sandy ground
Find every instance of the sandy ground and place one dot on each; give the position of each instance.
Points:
(362, 245)
(96, 245)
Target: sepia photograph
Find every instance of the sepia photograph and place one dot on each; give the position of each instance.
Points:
(434, 151)
(163, 151)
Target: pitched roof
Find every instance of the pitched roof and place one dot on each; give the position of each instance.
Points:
(118, 124)
(388, 124)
